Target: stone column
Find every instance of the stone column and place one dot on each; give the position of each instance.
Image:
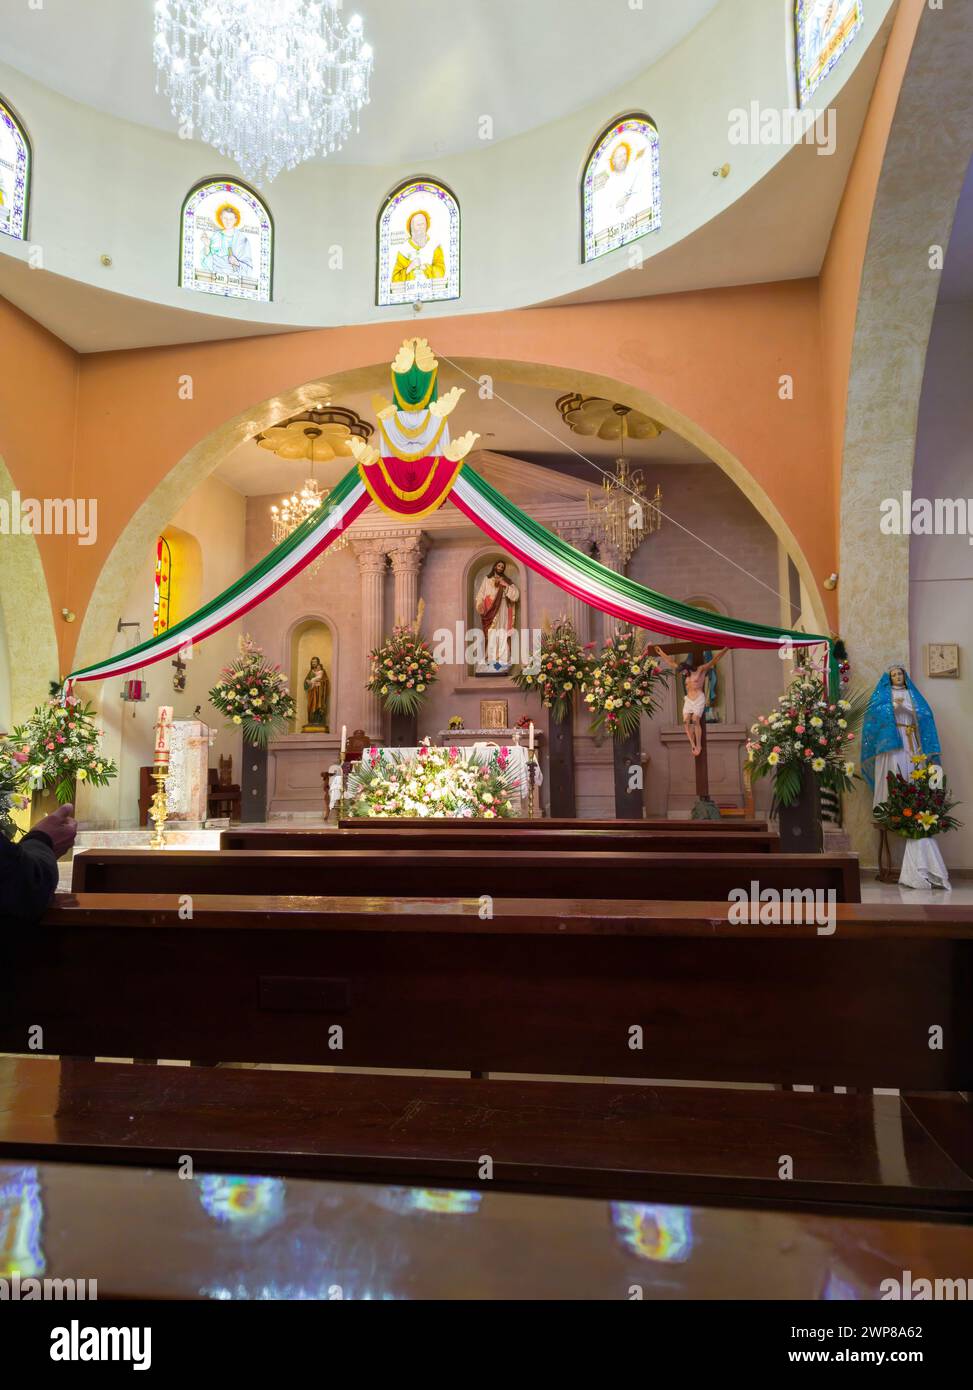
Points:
(407, 553)
(371, 566)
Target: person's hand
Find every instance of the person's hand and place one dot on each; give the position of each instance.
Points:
(62, 828)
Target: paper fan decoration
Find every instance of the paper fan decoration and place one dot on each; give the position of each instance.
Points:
(592, 415)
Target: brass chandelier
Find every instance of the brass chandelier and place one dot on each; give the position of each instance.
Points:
(622, 513)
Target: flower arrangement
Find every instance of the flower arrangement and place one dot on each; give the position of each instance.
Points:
(403, 669)
(62, 745)
(455, 722)
(435, 782)
(557, 670)
(806, 730)
(919, 807)
(12, 797)
(621, 684)
(254, 694)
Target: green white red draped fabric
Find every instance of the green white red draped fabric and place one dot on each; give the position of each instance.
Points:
(532, 544)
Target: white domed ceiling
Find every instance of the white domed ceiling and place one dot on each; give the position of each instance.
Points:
(438, 67)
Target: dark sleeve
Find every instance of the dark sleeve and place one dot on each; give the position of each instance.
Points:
(28, 876)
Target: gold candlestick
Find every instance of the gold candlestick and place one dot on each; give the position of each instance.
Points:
(159, 809)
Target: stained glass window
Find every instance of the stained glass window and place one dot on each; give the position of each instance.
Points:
(163, 584)
(620, 194)
(14, 174)
(823, 29)
(227, 242)
(418, 244)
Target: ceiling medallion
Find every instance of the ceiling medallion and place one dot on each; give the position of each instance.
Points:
(268, 85)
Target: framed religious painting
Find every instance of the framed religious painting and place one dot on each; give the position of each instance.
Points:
(418, 244)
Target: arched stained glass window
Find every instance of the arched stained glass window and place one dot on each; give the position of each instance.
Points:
(227, 243)
(14, 174)
(418, 244)
(621, 199)
(163, 587)
(823, 30)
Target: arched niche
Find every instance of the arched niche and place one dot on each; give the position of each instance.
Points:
(311, 636)
(477, 566)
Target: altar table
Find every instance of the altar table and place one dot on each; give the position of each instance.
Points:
(517, 761)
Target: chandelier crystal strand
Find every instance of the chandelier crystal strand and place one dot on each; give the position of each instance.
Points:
(268, 83)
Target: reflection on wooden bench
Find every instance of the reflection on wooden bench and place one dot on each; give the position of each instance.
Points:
(550, 988)
(461, 873)
(375, 835)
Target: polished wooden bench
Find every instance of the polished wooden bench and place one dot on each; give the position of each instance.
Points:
(461, 873)
(376, 835)
(543, 988)
(646, 826)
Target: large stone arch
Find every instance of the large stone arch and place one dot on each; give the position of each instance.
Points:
(28, 622)
(98, 630)
(926, 159)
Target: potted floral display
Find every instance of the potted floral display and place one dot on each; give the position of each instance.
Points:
(252, 694)
(558, 670)
(402, 671)
(805, 744)
(919, 808)
(12, 796)
(621, 685)
(63, 747)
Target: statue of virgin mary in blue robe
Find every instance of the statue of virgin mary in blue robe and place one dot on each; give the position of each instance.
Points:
(898, 726)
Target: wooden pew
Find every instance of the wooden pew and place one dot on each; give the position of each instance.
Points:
(448, 873)
(376, 836)
(551, 987)
(646, 827)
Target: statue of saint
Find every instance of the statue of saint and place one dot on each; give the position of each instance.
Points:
(496, 603)
(316, 687)
(694, 705)
(420, 259)
(899, 726)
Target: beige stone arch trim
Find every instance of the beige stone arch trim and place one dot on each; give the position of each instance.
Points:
(27, 617)
(98, 630)
(926, 159)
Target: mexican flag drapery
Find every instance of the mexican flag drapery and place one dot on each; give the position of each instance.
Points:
(532, 544)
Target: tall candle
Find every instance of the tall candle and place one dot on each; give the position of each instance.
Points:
(530, 742)
(163, 734)
(344, 740)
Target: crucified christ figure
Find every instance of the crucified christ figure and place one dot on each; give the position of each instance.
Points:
(694, 705)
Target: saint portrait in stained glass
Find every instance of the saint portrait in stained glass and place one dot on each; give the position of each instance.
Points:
(824, 29)
(14, 174)
(227, 242)
(620, 194)
(418, 244)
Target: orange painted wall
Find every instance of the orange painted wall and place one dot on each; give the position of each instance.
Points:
(716, 356)
(39, 384)
(841, 273)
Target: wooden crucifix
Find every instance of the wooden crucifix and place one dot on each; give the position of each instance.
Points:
(698, 652)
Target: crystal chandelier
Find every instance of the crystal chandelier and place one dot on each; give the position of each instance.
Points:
(269, 83)
(625, 514)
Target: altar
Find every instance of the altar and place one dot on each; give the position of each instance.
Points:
(470, 746)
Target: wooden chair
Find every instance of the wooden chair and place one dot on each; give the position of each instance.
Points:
(224, 796)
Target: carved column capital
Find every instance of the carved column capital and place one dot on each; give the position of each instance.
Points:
(370, 556)
(408, 552)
